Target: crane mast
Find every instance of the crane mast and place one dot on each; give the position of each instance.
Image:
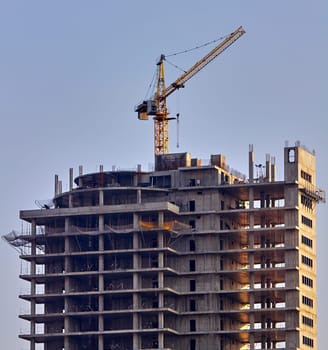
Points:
(157, 107)
(161, 120)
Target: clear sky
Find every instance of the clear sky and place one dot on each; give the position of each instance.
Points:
(72, 71)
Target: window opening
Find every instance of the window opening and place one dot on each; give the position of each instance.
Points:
(192, 305)
(291, 156)
(192, 285)
(192, 265)
(192, 205)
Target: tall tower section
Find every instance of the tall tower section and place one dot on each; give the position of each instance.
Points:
(302, 195)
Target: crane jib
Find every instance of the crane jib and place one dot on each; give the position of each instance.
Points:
(204, 61)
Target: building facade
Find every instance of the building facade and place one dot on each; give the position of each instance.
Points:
(188, 256)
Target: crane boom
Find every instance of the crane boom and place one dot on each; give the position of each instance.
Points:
(157, 105)
(204, 61)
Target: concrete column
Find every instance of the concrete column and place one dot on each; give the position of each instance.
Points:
(67, 245)
(33, 284)
(80, 174)
(251, 341)
(161, 260)
(60, 187)
(160, 219)
(70, 200)
(251, 164)
(251, 265)
(251, 198)
(101, 198)
(135, 221)
(56, 185)
(139, 196)
(66, 343)
(262, 199)
(160, 242)
(273, 169)
(160, 239)
(251, 218)
(100, 342)
(70, 179)
(136, 316)
(100, 280)
(136, 283)
(161, 280)
(136, 341)
(267, 168)
(161, 339)
(101, 228)
(67, 268)
(101, 308)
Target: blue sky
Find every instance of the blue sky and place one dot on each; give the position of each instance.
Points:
(72, 71)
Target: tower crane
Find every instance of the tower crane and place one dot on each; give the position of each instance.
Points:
(156, 106)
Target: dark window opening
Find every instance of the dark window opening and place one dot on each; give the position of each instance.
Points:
(155, 343)
(307, 301)
(307, 281)
(155, 303)
(306, 176)
(192, 245)
(307, 321)
(192, 305)
(192, 224)
(154, 261)
(154, 242)
(306, 221)
(307, 261)
(221, 285)
(154, 283)
(307, 241)
(192, 285)
(192, 265)
(192, 205)
(307, 202)
(308, 341)
(161, 181)
(192, 325)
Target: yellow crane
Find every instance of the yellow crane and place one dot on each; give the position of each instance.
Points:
(156, 106)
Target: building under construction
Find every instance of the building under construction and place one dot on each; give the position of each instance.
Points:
(188, 256)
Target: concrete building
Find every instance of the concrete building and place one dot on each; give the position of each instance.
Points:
(188, 256)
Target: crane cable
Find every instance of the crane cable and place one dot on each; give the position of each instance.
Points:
(198, 47)
(175, 66)
(151, 85)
